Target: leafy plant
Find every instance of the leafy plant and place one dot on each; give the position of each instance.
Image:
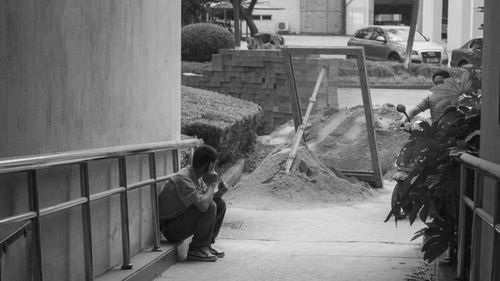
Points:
(430, 191)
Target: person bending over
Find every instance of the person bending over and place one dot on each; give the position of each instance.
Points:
(189, 205)
(436, 102)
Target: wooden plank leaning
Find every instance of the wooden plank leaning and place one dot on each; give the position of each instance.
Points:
(300, 131)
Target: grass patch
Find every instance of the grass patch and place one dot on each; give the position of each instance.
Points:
(195, 67)
(226, 123)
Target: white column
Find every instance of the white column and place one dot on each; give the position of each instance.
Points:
(477, 18)
(459, 22)
(359, 13)
(432, 14)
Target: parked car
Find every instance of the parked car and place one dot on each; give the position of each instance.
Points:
(387, 42)
(470, 53)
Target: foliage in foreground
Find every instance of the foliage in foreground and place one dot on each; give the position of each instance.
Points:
(431, 191)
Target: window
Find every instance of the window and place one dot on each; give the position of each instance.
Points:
(360, 34)
(256, 17)
(401, 35)
(377, 33)
(266, 17)
(368, 35)
(364, 34)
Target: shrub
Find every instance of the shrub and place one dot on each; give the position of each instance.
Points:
(195, 67)
(226, 123)
(201, 40)
(374, 69)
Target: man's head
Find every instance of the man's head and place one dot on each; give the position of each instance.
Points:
(204, 155)
(440, 76)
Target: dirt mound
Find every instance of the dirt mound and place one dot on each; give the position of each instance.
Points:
(340, 138)
(309, 183)
(336, 140)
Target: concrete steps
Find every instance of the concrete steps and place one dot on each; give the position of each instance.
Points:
(146, 265)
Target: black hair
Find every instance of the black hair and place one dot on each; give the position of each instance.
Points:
(204, 154)
(443, 73)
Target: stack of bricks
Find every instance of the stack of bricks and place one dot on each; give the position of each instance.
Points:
(259, 76)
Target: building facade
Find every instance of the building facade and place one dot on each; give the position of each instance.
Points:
(453, 22)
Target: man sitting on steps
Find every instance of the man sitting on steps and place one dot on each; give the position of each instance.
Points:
(189, 206)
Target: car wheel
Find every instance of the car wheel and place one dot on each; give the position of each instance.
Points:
(462, 63)
(394, 57)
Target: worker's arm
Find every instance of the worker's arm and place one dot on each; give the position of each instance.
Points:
(412, 113)
(421, 107)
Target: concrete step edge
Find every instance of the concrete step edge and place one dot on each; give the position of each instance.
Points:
(147, 265)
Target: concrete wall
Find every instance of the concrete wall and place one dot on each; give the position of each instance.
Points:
(281, 11)
(259, 76)
(77, 75)
(490, 122)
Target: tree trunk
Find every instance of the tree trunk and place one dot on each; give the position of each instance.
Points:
(249, 20)
(411, 35)
(237, 31)
(245, 14)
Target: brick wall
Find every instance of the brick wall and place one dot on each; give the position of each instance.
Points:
(259, 76)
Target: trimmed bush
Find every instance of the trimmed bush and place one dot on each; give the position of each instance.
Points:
(226, 123)
(201, 40)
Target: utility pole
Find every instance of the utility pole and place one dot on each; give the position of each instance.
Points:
(411, 36)
(236, 16)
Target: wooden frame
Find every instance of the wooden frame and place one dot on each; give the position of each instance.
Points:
(374, 176)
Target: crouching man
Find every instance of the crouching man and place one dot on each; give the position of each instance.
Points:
(189, 205)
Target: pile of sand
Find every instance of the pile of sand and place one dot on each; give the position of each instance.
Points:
(309, 183)
(336, 140)
(340, 138)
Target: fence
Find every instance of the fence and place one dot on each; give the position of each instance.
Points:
(472, 205)
(15, 226)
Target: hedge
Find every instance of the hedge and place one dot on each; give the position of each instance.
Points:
(226, 123)
(200, 41)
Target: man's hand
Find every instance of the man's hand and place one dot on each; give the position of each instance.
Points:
(210, 177)
(401, 123)
(221, 190)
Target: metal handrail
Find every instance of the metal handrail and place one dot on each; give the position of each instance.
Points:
(485, 167)
(18, 164)
(482, 169)
(32, 164)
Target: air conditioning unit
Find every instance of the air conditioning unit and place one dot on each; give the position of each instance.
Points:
(283, 27)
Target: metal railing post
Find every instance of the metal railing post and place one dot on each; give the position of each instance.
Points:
(461, 224)
(86, 221)
(175, 160)
(494, 274)
(34, 206)
(154, 202)
(122, 167)
(476, 227)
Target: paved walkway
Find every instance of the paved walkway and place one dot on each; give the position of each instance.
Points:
(349, 97)
(343, 242)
